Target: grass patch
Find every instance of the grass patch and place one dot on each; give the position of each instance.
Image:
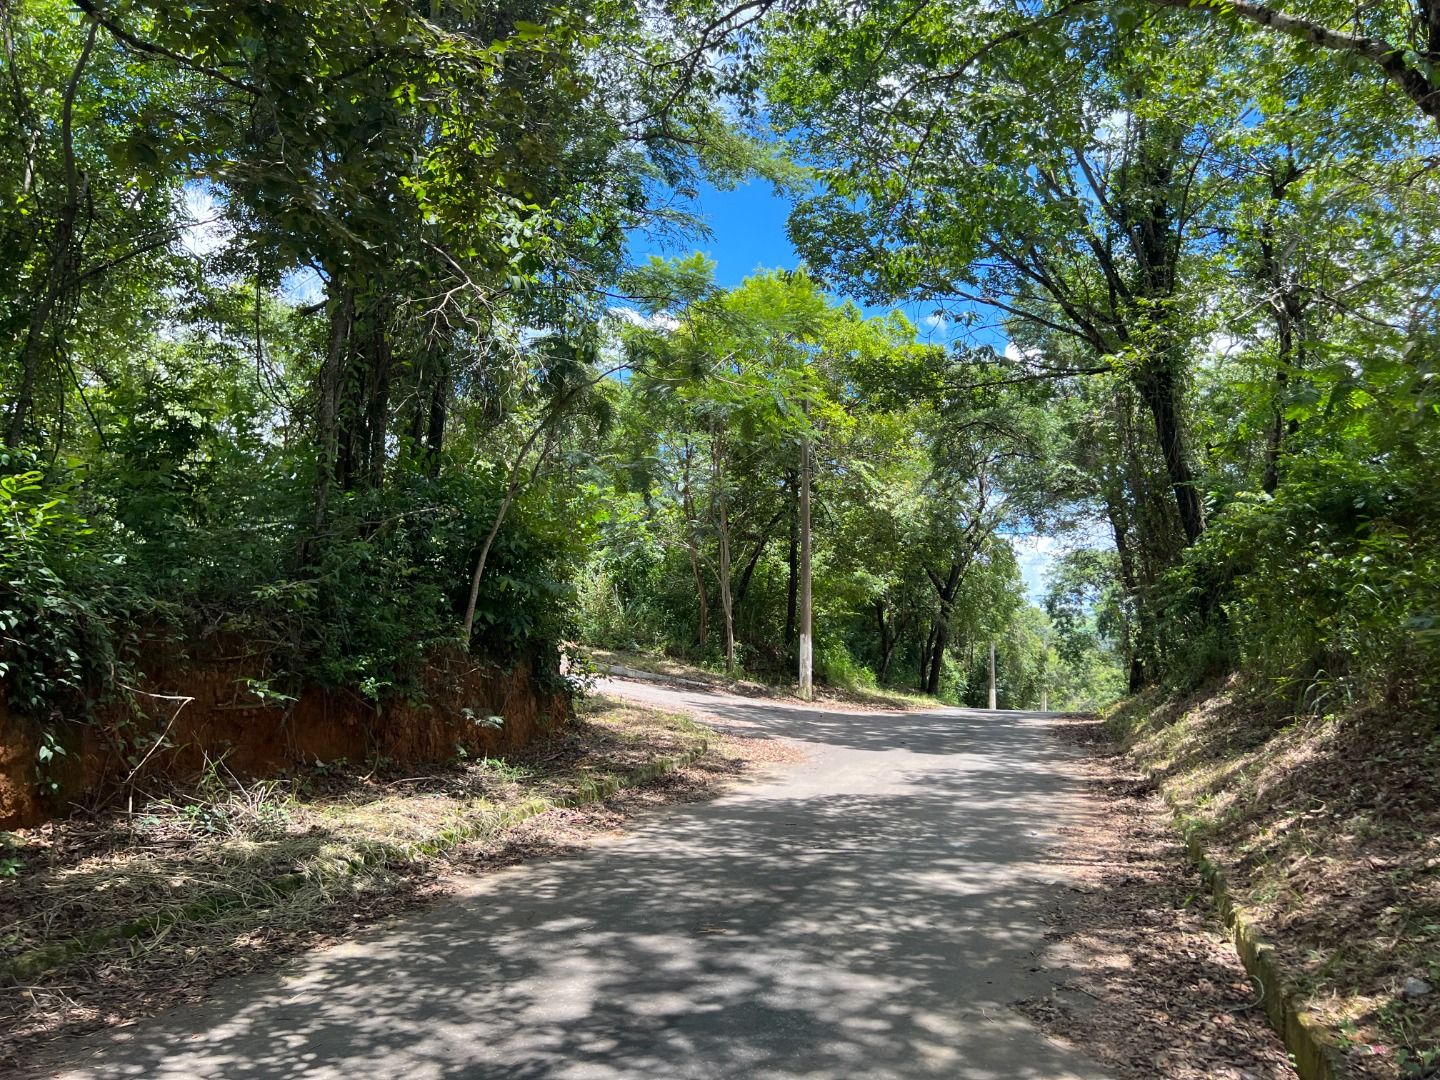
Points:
(1327, 829)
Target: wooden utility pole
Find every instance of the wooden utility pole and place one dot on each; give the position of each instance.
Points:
(992, 676)
(807, 646)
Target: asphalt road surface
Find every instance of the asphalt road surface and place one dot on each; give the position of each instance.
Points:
(871, 911)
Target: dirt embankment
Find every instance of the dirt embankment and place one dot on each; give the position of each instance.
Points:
(107, 917)
(194, 710)
(1326, 830)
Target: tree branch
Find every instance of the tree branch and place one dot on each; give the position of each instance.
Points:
(125, 37)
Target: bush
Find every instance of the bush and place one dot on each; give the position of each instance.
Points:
(56, 598)
(1334, 583)
(836, 667)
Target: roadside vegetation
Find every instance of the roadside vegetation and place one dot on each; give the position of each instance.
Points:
(341, 336)
(1327, 830)
(113, 917)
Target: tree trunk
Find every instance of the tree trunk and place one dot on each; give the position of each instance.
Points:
(1160, 390)
(1289, 308)
(721, 515)
(727, 604)
(761, 542)
(940, 635)
(937, 661)
(925, 655)
(792, 586)
(377, 422)
(327, 415)
(514, 482)
(692, 544)
(703, 629)
(435, 429)
(807, 673)
(64, 258)
(887, 641)
(1115, 513)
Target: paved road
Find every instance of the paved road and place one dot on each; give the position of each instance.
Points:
(867, 913)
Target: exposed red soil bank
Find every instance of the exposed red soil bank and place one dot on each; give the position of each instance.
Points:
(223, 716)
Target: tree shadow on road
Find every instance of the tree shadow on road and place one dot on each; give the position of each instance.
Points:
(847, 934)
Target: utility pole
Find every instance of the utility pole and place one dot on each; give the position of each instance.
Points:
(807, 646)
(992, 676)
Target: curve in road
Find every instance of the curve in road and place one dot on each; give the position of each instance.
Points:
(871, 911)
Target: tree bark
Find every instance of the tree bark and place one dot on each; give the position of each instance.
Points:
(761, 542)
(702, 631)
(692, 545)
(377, 422)
(807, 671)
(727, 603)
(327, 414)
(940, 636)
(1289, 307)
(721, 514)
(792, 585)
(439, 409)
(1160, 390)
(1119, 528)
(887, 641)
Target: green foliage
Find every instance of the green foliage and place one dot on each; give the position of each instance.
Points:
(310, 330)
(55, 592)
(301, 306)
(1335, 582)
(911, 483)
(1220, 258)
(834, 665)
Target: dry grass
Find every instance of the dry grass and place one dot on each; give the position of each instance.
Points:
(1328, 830)
(108, 918)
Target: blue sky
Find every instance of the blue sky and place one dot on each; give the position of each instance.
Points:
(747, 228)
(747, 233)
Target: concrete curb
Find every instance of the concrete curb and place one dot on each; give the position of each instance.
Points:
(36, 962)
(1312, 1046)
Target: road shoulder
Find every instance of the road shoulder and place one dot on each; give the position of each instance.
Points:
(1153, 987)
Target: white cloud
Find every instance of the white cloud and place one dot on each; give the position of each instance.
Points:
(1015, 354)
(1037, 553)
(204, 231)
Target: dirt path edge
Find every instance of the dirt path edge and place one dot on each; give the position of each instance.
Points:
(1313, 1048)
(38, 961)
(1316, 1054)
